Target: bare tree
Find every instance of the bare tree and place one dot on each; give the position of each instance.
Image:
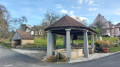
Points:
(16, 23)
(84, 22)
(50, 18)
(4, 24)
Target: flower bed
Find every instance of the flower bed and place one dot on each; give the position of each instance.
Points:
(103, 45)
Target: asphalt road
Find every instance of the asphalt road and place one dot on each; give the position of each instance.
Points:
(109, 61)
(9, 58)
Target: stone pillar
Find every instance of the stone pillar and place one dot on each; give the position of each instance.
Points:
(12, 43)
(64, 41)
(68, 44)
(86, 47)
(92, 43)
(92, 40)
(49, 44)
(95, 37)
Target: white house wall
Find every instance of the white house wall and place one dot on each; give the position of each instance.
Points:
(32, 32)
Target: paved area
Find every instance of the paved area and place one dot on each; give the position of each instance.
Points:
(38, 54)
(10, 58)
(91, 57)
(108, 61)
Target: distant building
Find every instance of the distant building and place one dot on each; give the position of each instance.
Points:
(35, 31)
(107, 27)
(21, 38)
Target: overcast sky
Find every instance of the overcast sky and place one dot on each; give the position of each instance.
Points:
(34, 10)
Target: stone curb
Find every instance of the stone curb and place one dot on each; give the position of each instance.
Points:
(88, 59)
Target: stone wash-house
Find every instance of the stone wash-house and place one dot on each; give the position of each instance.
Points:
(35, 31)
(108, 29)
(21, 38)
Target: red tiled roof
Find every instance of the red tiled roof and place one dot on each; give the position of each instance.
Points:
(25, 35)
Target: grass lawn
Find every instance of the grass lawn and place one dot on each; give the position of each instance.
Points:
(115, 49)
(59, 41)
(40, 41)
(5, 40)
(113, 39)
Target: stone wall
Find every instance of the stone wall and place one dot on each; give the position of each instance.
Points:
(117, 32)
(24, 42)
(75, 53)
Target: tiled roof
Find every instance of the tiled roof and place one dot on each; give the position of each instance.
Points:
(101, 20)
(25, 35)
(66, 21)
(117, 24)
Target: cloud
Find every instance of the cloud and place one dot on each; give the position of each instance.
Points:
(78, 18)
(58, 6)
(116, 23)
(82, 20)
(117, 13)
(80, 2)
(91, 2)
(92, 9)
(64, 11)
(67, 12)
(71, 12)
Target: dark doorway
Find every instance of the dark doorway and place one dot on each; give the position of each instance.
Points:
(17, 42)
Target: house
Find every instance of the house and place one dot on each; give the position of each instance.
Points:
(21, 38)
(108, 29)
(35, 31)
